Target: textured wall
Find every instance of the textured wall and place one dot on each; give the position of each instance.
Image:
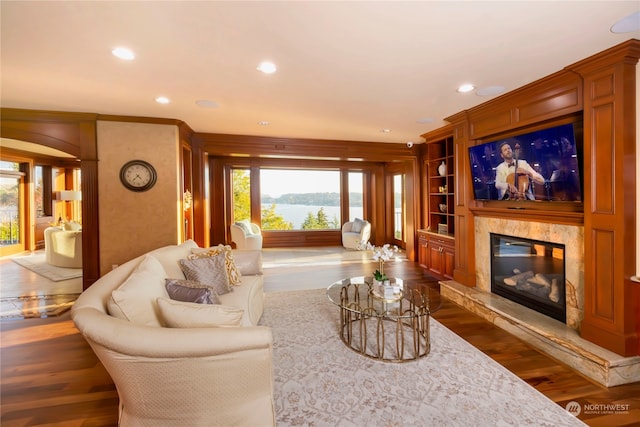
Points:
(133, 223)
(570, 236)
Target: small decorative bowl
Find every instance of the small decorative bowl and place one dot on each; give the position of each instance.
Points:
(443, 207)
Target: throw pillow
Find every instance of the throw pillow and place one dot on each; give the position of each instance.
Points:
(188, 291)
(246, 226)
(135, 299)
(209, 270)
(71, 226)
(177, 314)
(249, 262)
(235, 277)
(357, 225)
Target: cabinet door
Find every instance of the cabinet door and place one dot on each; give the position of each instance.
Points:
(423, 251)
(436, 260)
(448, 255)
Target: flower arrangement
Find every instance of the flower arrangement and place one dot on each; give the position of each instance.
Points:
(381, 254)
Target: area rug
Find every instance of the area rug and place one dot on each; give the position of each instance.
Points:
(320, 382)
(36, 263)
(36, 306)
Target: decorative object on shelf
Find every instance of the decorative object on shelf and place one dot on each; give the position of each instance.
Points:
(442, 207)
(442, 188)
(442, 169)
(138, 175)
(442, 229)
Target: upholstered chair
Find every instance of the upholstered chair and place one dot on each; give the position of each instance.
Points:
(355, 233)
(63, 246)
(246, 235)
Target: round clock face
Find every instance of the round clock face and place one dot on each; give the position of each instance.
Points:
(138, 175)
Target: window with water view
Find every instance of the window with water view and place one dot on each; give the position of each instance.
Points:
(297, 199)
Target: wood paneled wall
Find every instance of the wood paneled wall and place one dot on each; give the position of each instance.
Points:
(598, 92)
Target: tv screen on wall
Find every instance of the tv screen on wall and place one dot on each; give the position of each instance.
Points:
(547, 167)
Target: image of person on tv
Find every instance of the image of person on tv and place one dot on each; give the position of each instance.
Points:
(512, 184)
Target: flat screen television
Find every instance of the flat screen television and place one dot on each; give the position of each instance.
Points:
(548, 167)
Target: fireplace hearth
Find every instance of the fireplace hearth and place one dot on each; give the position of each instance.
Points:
(529, 272)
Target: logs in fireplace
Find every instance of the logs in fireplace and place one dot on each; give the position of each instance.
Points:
(530, 273)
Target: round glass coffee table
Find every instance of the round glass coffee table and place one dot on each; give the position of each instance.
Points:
(394, 329)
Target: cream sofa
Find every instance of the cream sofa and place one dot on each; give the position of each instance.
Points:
(172, 376)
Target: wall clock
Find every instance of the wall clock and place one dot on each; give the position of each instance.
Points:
(138, 175)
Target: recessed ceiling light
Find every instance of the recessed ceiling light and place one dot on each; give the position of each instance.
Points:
(123, 53)
(206, 103)
(627, 25)
(162, 100)
(267, 67)
(467, 87)
(263, 123)
(490, 90)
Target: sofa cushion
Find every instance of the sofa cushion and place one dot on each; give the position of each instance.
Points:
(135, 299)
(250, 296)
(235, 276)
(178, 314)
(249, 262)
(208, 270)
(189, 291)
(169, 256)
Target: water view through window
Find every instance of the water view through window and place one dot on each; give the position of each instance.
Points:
(298, 199)
(305, 199)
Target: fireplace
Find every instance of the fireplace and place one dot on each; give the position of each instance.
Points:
(530, 273)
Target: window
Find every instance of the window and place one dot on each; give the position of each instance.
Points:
(356, 202)
(241, 184)
(300, 199)
(398, 207)
(11, 205)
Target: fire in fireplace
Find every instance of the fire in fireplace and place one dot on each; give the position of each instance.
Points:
(529, 272)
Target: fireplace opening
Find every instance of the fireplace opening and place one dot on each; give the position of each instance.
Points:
(529, 272)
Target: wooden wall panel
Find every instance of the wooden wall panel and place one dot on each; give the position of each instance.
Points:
(610, 197)
(554, 96)
(602, 303)
(602, 181)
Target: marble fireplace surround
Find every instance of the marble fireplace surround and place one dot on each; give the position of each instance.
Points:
(559, 340)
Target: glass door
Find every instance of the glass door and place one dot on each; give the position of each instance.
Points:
(399, 212)
(11, 209)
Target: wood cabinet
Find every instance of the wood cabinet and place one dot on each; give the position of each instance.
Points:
(436, 254)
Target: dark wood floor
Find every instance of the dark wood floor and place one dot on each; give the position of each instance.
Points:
(51, 377)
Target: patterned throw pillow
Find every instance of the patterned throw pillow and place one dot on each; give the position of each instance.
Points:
(235, 277)
(209, 271)
(189, 291)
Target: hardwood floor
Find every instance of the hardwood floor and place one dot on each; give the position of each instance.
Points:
(50, 376)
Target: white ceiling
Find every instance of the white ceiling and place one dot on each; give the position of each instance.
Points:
(346, 70)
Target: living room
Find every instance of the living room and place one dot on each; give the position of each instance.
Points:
(190, 159)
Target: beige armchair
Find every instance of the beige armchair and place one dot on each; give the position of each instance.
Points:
(355, 233)
(63, 248)
(246, 235)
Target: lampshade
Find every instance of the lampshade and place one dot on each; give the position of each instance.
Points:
(69, 195)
